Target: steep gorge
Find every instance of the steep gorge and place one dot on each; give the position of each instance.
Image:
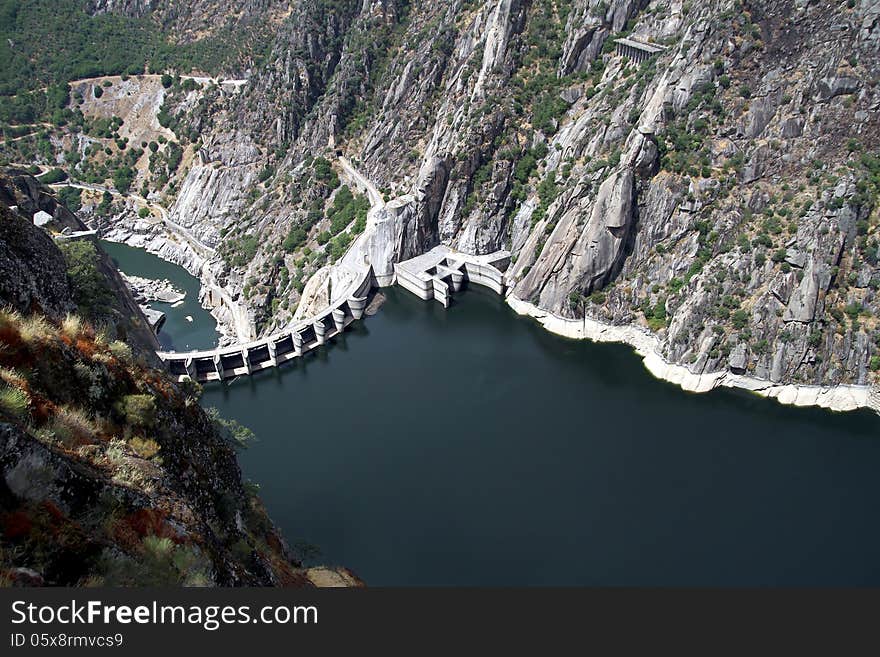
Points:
(111, 473)
(721, 194)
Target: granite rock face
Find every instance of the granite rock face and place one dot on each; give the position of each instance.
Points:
(33, 273)
(722, 193)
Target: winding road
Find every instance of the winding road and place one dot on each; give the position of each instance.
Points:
(197, 245)
(361, 182)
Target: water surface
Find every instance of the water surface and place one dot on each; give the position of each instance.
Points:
(469, 446)
(178, 333)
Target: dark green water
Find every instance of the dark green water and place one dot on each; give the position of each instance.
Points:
(178, 333)
(469, 446)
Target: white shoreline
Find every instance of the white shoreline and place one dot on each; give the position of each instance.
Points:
(843, 397)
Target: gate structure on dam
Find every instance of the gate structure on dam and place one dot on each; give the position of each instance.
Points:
(440, 272)
(436, 274)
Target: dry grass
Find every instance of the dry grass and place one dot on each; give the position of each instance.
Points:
(70, 427)
(10, 338)
(72, 326)
(102, 336)
(121, 351)
(13, 377)
(35, 330)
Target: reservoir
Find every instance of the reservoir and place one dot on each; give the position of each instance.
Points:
(468, 446)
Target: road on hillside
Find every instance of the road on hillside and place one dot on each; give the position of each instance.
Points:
(175, 227)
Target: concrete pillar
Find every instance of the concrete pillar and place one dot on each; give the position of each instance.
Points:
(191, 369)
(457, 281)
(246, 359)
(273, 353)
(297, 343)
(320, 331)
(339, 318)
(218, 365)
(357, 305)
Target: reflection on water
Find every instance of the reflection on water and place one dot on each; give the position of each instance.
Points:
(470, 446)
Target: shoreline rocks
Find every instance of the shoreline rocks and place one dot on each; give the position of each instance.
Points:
(843, 397)
(149, 289)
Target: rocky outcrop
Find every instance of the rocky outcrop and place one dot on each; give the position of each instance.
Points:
(110, 473)
(31, 254)
(33, 273)
(149, 289)
(721, 194)
(594, 251)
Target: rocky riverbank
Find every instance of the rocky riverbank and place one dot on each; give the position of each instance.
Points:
(125, 227)
(842, 397)
(148, 289)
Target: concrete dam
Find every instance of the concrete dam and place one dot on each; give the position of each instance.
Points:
(437, 274)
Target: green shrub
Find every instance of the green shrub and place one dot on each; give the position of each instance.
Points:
(91, 292)
(138, 410)
(53, 176)
(242, 250)
(324, 172)
(71, 198)
(14, 402)
(231, 431)
(122, 179)
(740, 319)
(267, 172)
(146, 448)
(853, 309)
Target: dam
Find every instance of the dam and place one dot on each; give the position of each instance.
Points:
(533, 467)
(437, 274)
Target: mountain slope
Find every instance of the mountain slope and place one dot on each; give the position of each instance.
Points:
(110, 473)
(721, 194)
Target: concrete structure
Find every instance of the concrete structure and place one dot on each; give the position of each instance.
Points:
(41, 218)
(638, 51)
(67, 234)
(441, 272)
(368, 263)
(265, 353)
(433, 275)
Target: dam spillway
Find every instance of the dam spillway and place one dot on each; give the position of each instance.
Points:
(436, 274)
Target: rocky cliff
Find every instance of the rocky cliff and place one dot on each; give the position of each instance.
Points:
(34, 264)
(110, 474)
(714, 181)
